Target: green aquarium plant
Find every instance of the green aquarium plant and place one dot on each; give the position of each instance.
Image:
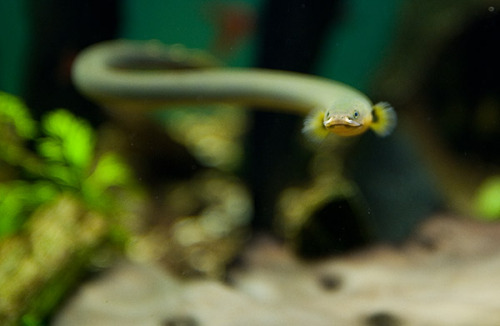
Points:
(68, 150)
(488, 199)
(58, 193)
(64, 160)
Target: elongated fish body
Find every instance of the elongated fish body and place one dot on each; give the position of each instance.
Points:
(112, 74)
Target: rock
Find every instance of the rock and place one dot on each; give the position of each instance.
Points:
(445, 275)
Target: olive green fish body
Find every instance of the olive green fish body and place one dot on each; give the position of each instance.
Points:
(134, 75)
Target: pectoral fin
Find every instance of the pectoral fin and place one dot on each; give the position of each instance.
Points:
(313, 126)
(384, 119)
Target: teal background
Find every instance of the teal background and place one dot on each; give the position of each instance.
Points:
(355, 46)
(14, 38)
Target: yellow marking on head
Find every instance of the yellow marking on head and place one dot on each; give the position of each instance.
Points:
(384, 119)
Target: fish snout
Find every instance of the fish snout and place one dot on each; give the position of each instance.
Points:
(344, 121)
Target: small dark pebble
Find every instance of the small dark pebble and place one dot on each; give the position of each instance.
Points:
(427, 243)
(180, 321)
(383, 319)
(330, 282)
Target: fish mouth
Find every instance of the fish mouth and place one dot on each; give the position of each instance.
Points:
(344, 122)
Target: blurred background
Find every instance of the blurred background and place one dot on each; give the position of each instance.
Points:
(194, 200)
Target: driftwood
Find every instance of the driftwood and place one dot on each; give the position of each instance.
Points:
(446, 274)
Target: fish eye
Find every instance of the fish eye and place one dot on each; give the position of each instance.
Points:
(355, 115)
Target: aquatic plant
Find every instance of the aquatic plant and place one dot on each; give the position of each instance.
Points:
(487, 198)
(64, 159)
(60, 202)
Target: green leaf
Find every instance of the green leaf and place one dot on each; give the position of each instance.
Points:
(11, 206)
(110, 171)
(18, 199)
(70, 139)
(30, 320)
(14, 112)
(51, 148)
(62, 175)
(488, 198)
